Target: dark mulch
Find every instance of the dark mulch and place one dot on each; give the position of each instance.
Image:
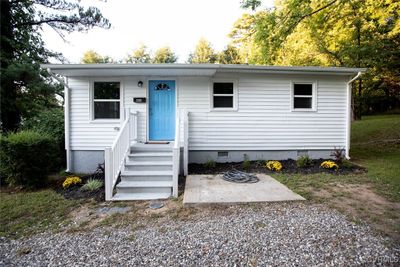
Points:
(75, 192)
(289, 166)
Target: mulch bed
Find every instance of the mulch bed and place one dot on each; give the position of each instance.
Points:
(289, 166)
(75, 192)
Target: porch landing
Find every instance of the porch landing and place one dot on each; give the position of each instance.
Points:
(209, 189)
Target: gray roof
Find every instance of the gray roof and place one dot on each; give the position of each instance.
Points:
(188, 69)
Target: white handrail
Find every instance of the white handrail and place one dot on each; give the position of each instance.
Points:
(176, 157)
(116, 153)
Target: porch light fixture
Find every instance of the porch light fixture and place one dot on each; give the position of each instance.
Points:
(140, 84)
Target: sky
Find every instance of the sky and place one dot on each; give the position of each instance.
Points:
(155, 23)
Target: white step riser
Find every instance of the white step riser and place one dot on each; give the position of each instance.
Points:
(152, 150)
(146, 178)
(148, 158)
(140, 196)
(148, 168)
(134, 190)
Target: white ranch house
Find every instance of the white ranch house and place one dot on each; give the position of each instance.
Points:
(148, 121)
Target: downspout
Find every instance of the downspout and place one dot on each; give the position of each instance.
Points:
(66, 117)
(348, 114)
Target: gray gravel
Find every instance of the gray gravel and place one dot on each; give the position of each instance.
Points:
(282, 234)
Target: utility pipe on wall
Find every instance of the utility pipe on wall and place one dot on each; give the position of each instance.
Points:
(348, 115)
(66, 116)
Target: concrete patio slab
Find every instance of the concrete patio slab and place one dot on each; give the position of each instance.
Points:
(209, 189)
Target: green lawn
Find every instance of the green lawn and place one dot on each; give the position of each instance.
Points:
(27, 213)
(375, 144)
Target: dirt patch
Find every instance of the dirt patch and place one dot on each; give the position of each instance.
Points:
(361, 203)
(289, 166)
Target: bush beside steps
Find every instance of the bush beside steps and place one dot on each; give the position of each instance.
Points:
(26, 158)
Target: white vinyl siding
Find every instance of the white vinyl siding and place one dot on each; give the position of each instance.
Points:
(263, 120)
(86, 134)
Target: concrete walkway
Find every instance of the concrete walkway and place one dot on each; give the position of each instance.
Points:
(208, 189)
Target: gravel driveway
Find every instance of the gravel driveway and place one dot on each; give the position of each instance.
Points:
(275, 234)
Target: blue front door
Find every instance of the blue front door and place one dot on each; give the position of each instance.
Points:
(161, 110)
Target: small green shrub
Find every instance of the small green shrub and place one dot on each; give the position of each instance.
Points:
(50, 122)
(92, 185)
(303, 161)
(246, 162)
(26, 158)
(210, 164)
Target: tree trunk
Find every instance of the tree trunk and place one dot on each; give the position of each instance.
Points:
(10, 115)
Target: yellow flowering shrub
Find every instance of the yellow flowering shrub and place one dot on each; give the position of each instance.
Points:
(328, 164)
(274, 165)
(72, 180)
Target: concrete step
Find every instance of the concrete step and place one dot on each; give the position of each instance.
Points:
(140, 196)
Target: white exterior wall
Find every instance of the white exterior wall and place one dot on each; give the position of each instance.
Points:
(86, 134)
(263, 121)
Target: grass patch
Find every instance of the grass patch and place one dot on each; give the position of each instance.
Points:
(27, 213)
(375, 144)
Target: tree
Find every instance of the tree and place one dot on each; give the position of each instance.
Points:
(92, 56)
(139, 55)
(230, 55)
(203, 53)
(356, 33)
(164, 55)
(25, 88)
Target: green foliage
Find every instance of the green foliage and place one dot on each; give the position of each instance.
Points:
(303, 161)
(25, 88)
(210, 164)
(27, 213)
(139, 55)
(360, 33)
(164, 55)
(374, 145)
(50, 122)
(230, 55)
(246, 162)
(203, 53)
(92, 57)
(26, 158)
(92, 185)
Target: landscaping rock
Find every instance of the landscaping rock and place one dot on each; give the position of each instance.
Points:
(112, 210)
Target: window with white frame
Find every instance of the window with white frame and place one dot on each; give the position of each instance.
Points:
(303, 96)
(106, 100)
(223, 95)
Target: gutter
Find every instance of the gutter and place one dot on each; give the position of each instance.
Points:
(66, 116)
(348, 114)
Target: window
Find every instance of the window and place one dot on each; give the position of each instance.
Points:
(223, 95)
(106, 100)
(303, 96)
